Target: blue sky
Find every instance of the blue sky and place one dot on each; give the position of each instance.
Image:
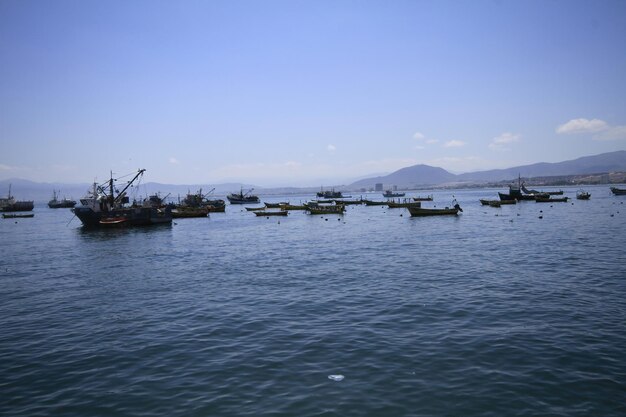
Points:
(305, 92)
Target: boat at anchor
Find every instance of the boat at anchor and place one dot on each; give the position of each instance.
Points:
(105, 207)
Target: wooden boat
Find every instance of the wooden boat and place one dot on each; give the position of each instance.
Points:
(17, 216)
(183, 212)
(243, 198)
(348, 202)
(271, 213)
(334, 209)
(392, 194)
(403, 204)
(274, 205)
(421, 212)
(583, 195)
(551, 200)
(288, 206)
(535, 192)
(618, 191)
(427, 198)
(489, 202)
(200, 200)
(374, 203)
(495, 203)
(254, 208)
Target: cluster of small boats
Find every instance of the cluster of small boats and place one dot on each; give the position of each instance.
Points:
(105, 206)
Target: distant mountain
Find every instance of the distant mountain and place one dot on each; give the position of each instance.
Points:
(418, 175)
(606, 162)
(409, 177)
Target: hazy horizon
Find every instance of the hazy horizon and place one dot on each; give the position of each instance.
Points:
(284, 93)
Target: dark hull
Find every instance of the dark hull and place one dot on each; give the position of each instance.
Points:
(422, 212)
(518, 197)
(552, 200)
(140, 216)
(61, 204)
(618, 191)
(18, 206)
(245, 200)
(17, 216)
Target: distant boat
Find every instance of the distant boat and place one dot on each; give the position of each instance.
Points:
(56, 203)
(515, 193)
(106, 207)
(490, 202)
(198, 203)
(391, 194)
(421, 212)
(427, 198)
(403, 203)
(329, 194)
(618, 191)
(241, 198)
(17, 216)
(374, 203)
(333, 209)
(551, 200)
(535, 192)
(583, 195)
(10, 204)
(271, 213)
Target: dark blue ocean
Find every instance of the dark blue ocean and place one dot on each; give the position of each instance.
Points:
(511, 311)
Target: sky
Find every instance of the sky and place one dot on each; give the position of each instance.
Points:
(288, 93)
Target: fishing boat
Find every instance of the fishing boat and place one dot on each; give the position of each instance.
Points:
(405, 203)
(9, 204)
(374, 203)
(56, 203)
(490, 202)
(329, 193)
(106, 207)
(288, 206)
(495, 203)
(271, 213)
(551, 200)
(199, 204)
(535, 192)
(392, 194)
(618, 191)
(243, 198)
(427, 198)
(274, 205)
(255, 208)
(515, 193)
(421, 212)
(582, 195)
(17, 216)
(184, 212)
(331, 209)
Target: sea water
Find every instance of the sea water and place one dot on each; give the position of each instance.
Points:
(515, 311)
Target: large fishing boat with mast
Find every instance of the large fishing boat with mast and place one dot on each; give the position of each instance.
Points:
(11, 204)
(106, 207)
(56, 203)
(243, 198)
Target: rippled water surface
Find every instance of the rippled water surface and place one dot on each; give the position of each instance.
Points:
(514, 311)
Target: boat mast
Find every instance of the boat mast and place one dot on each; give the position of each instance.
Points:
(140, 172)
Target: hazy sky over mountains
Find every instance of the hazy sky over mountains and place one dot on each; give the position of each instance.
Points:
(296, 93)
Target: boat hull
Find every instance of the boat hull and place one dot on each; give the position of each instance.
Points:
(618, 191)
(423, 212)
(18, 206)
(139, 216)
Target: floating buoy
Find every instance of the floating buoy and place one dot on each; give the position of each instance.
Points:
(541, 217)
(336, 377)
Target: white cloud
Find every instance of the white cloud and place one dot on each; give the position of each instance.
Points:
(499, 143)
(419, 136)
(454, 144)
(331, 148)
(174, 161)
(431, 141)
(601, 129)
(612, 133)
(582, 126)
